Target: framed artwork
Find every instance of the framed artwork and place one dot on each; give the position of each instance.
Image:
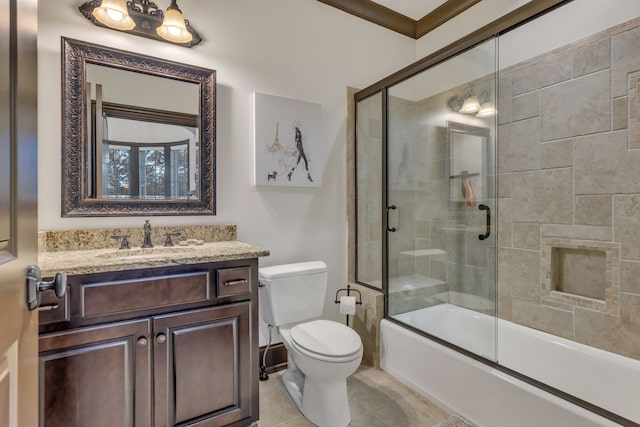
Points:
(288, 148)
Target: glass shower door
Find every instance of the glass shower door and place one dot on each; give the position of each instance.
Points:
(368, 190)
(440, 200)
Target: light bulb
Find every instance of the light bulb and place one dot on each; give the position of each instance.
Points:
(487, 109)
(115, 15)
(471, 105)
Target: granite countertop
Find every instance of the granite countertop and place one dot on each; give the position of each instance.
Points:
(103, 260)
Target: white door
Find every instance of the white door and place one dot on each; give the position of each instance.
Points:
(18, 212)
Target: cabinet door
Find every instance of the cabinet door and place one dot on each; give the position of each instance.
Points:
(96, 376)
(202, 366)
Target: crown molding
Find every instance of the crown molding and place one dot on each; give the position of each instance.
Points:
(392, 20)
(378, 14)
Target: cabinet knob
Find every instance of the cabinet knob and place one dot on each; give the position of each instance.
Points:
(161, 338)
(142, 341)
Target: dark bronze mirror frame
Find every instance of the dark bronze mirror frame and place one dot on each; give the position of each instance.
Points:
(75, 55)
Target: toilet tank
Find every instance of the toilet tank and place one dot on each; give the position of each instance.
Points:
(292, 293)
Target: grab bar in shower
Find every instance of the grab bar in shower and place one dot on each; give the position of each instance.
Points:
(488, 229)
(390, 229)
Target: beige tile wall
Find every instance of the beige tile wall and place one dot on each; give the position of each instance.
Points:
(569, 179)
(366, 322)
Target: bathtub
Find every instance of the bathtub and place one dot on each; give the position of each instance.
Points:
(489, 397)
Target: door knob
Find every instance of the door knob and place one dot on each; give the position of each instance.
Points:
(161, 338)
(35, 286)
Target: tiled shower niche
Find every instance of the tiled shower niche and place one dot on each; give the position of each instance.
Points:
(580, 274)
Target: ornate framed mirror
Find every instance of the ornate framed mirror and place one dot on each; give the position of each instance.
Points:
(138, 134)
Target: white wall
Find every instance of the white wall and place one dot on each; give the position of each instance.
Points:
(300, 49)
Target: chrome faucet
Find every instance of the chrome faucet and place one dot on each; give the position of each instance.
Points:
(147, 235)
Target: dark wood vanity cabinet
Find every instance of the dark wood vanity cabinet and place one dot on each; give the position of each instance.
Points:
(189, 358)
(96, 376)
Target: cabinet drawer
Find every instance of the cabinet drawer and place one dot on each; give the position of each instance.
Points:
(234, 281)
(125, 296)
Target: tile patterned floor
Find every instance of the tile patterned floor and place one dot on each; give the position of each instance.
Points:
(376, 400)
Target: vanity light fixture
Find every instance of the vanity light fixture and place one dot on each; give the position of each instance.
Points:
(470, 103)
(142, 18)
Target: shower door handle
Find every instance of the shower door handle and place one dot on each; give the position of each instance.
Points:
(390, 229)
(488, 229)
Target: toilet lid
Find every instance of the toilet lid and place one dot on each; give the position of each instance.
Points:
(326, 338)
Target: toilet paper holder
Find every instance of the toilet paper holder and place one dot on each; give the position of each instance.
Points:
(348, 290)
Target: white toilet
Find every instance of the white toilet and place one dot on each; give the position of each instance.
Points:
(322, 353)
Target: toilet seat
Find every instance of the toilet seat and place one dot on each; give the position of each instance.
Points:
(326, 340)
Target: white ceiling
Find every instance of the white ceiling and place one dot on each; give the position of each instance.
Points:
(414, 9)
